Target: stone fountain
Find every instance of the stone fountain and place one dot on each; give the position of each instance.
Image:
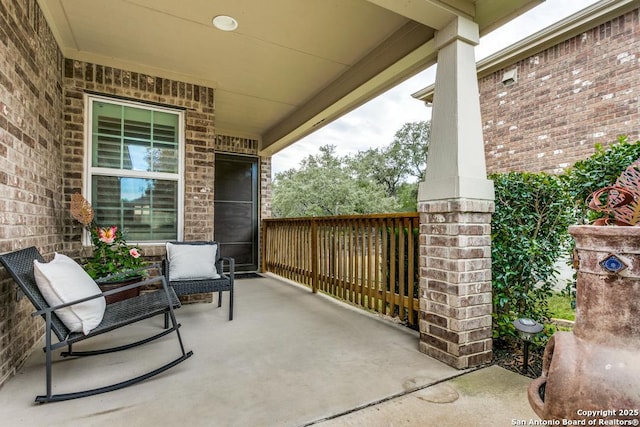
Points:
(593, 373)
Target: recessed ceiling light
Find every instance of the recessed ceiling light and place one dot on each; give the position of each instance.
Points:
(225, 23)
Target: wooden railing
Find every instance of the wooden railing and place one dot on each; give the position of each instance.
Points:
(367, 260)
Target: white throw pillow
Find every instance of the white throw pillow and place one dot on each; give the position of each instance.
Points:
(192, 262)
(64, 280)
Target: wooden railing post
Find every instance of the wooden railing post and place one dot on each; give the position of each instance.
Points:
(314, 255)
(263, 246)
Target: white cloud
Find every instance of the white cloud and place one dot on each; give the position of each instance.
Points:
(375, 123)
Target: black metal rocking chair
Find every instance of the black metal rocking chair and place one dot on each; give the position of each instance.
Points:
(162, 301)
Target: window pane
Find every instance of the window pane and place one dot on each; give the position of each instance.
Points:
(145, 209)
(106, 151)
(131, 138)
(165, 142)
(107, 131)
(137, 123)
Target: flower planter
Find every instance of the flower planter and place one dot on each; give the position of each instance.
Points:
(597, 367)
(130, 293)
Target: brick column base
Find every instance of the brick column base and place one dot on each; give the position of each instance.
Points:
(455, 281)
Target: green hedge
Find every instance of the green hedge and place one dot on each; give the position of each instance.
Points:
(530, 229)
(600, 170)
(529, 233)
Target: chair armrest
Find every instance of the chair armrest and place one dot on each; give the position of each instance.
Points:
(113, 291)
(165, 267)
(232, 265)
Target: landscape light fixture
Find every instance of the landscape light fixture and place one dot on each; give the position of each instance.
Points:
(528, 329)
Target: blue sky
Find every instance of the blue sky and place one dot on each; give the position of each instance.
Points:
(375, 123)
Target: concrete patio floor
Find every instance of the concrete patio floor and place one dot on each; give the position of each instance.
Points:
(289, 358)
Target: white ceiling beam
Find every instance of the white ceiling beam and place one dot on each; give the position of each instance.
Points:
(432, 13)
(491, 14)
(405, 53)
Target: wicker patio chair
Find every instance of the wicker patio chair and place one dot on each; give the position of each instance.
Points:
(20, 264)
(189, 286)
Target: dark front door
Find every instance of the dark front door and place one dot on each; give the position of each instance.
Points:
(236, 209)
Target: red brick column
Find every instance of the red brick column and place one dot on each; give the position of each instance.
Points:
(455, 281)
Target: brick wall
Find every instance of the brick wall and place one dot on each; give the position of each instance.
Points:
(266, 193)
(31, 165)
(567, 98)
(455, 281)
(42, 154)
(201, 141)
(198, 104)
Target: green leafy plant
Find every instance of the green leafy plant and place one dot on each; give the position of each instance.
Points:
(111, 256)
(529, 233)
(600, 170)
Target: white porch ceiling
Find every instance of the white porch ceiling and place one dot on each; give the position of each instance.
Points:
(291, 67)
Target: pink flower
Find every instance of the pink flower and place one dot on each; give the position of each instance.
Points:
(107, 235)
(134, 252)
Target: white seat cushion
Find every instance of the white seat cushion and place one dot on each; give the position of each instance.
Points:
(192, 262)
(64, 280)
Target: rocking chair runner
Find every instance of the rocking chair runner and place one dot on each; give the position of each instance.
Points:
(162, 301)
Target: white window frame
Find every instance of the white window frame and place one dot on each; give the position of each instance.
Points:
(90, 171)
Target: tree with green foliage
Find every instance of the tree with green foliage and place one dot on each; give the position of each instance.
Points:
(325, 186)
(373, 181)
(374, 165)
(410, 148)
(529, 233)
(407, 197)
(400, 166)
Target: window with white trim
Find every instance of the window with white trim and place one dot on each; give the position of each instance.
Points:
(134, 168)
